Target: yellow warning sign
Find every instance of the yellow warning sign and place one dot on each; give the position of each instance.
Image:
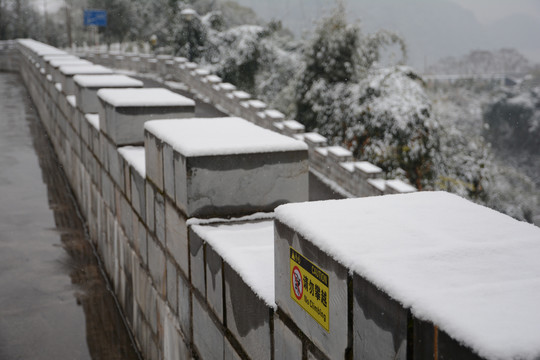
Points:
(309, 288)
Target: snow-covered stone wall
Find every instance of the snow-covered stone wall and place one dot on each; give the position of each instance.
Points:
(332, 165)
(202, 270)
(142, 191)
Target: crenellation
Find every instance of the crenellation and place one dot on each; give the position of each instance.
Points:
(167, 220)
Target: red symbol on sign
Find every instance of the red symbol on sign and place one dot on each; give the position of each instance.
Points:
(297, 282)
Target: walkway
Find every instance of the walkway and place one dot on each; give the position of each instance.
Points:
(54, 302)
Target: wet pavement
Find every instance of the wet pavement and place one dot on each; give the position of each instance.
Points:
(54, 301)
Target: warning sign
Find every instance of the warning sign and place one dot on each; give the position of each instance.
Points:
(309, 288)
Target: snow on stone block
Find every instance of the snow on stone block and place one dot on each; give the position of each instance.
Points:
(292, 127)
(72, 101)
(460, 266)
(93, 119)
(180, 60)
(124, 111)
(234, 167)
(397, 186)
(314, 139)
(367, 169)
(378, 184)
(53, 67)
(279, 126)
(274, 115)
(49, 60)
(87, 86)
(257, 104)
(200, 72)
(212, 79)
(227, 87)
(339, 154)
(241, 95)
(247, 251)
(69, 71)
(135, 157)
(349, 166)
(189, 66)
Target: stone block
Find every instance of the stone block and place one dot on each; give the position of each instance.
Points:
(86, 87)
(168, 171)
(379, 323)
(184, 306)
(333, 342)
(248, 170)
(157, 265)
(174, 346)
(214, 282)
(127, 180)
(207, 337)
(126, 216)
(197, 268)
(67, 72)
(115, 168)
(150, 205)
(248, 316)
(138, 196)
(124, 111)
(176, 236)
(154, 160)
(159, 215)
(337, 154)
(229, 352)
(103, 151)
(172, 286)
(54, 67)
(286, 344)
(142, 242)
(107, 188)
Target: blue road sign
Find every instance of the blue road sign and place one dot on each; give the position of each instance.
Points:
(95, 17)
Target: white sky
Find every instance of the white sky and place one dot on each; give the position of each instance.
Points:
(487, 11)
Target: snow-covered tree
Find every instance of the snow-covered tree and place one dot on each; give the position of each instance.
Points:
(514, 121)
(382, 114)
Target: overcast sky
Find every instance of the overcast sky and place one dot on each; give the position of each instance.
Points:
(487, 11)
(431, 28)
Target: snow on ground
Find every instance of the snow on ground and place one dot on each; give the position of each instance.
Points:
(472, 271)
(249, 249)
(143, 97)
(220, 136)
